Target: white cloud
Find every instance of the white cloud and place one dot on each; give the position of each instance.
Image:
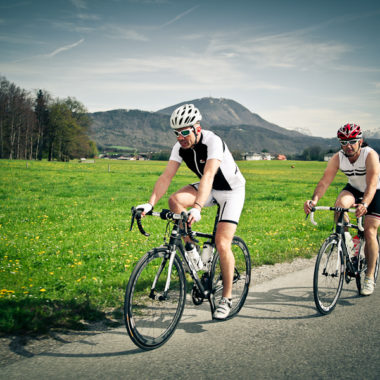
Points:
(180, 16)
(290, 50)
(322, 121)
(120, 32)
(86, 16)
(64, 48)
(80, 4)
(196, 68)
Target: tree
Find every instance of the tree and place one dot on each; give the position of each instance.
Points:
(42, 119)
(37, 127)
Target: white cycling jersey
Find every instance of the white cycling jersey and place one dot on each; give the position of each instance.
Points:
(356, 172)
(228, 176)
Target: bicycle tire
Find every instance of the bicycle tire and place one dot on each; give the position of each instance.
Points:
(362, 266)
(242, 276)
(151, 320)
(328, 275)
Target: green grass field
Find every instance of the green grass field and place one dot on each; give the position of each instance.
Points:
(66, 252)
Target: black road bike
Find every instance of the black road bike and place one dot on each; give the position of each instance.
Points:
(156, 292)
(337, 263)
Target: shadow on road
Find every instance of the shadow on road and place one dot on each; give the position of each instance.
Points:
(288, 303)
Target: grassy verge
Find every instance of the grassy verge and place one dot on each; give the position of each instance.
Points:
(65, 250)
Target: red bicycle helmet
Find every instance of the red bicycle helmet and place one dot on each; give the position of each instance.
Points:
(349, 132)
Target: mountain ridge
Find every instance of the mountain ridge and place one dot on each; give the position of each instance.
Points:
(243, 130)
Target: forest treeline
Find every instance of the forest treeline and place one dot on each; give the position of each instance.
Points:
(39, 126)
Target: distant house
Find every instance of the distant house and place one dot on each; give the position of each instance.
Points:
(253, 156)
(86, 161)
(328, 156)
(257, 156)
(281, 157)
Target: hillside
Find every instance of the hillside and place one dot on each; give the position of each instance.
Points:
(227, 112)
(243, 130)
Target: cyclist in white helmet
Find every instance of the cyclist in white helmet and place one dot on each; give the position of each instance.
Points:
(221, 181)
(361, 165)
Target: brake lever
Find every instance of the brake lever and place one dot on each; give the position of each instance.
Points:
(133, 210)
(139, 225)
(188, 229)
(136, 214)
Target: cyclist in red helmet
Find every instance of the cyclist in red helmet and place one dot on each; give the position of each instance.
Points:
(361, 166)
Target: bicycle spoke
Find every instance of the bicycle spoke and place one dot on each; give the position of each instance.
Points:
(328, 276)
(151, 313)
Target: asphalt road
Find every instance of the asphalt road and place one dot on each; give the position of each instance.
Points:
(277, 335)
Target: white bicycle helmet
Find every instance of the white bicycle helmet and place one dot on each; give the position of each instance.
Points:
(186, 115)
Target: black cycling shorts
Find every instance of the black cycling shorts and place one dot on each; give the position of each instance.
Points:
(373, 207)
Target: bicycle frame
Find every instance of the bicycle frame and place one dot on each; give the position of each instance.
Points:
(175, 242)
(340, 227)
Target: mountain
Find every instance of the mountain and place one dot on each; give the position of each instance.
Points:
(146, 131)
(304, 131)
(242, 130)
(227, 112)
(372, 134)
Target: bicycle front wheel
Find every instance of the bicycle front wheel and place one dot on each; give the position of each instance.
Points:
(328, 276)
(242, 276)
(151, 315)
(362, 266)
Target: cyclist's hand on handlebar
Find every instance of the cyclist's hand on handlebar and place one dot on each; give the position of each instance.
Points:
(194, 216)
(146, 207)
(360, 209)
(308, 205)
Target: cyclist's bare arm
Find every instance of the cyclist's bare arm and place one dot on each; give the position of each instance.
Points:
(205, 185)
(328, 176)
(164, 181)
(372, 176)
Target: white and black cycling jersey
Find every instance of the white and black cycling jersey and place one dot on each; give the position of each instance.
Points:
(357, 171)
(228, 176)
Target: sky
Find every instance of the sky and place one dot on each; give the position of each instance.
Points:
(313, 65)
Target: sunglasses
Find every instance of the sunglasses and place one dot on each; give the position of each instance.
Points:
(184, 133)
(346, 142)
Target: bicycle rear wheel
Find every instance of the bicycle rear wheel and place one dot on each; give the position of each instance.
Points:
(328, 276)
(362, 266)
(242, 276)
(151, 316)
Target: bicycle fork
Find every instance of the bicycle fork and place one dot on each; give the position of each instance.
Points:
(331, 272)
(164, 296)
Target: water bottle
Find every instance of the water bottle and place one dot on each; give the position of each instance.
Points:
(194, 257)
(207, 253)
(349, 243)
(356, 241)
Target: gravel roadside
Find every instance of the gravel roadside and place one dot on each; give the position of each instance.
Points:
(16, 347)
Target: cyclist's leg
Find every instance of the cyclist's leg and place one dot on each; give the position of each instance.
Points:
(182, 199)
(371, 225)
(185, 198)
(231, 204)
(223, 238)
(345, 199)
